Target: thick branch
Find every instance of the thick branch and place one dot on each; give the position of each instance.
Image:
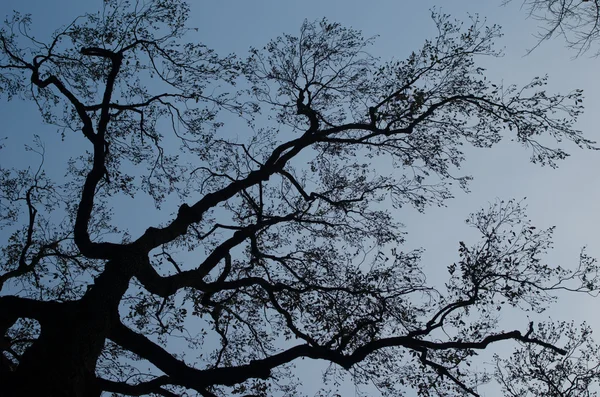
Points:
(12, 308)
(200, 379)
(86, 204)
(140, 389)
(166, 286)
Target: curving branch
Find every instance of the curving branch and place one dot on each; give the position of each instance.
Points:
(140, 389)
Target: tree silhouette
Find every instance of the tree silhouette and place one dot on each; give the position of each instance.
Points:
(271, 243)
(537, 372)
(577, 21)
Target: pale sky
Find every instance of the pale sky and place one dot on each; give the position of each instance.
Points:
(566, 197)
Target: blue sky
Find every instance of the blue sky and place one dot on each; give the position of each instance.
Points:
(566, 197)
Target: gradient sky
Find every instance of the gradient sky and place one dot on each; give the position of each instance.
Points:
(566, 197)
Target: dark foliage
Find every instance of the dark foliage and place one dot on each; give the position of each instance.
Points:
(284, 242)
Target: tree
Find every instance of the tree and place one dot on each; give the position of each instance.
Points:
(283, 243)
(538, 372)
(577, 21)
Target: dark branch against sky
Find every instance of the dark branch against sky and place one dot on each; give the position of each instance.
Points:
(278, 197)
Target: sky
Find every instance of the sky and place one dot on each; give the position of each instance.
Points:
(566, 197)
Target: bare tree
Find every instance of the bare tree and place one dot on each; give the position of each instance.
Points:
(577, 21)
(284, 243)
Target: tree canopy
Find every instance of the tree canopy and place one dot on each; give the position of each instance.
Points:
(280, 240)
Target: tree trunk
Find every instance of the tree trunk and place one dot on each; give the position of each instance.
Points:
(62, 361)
